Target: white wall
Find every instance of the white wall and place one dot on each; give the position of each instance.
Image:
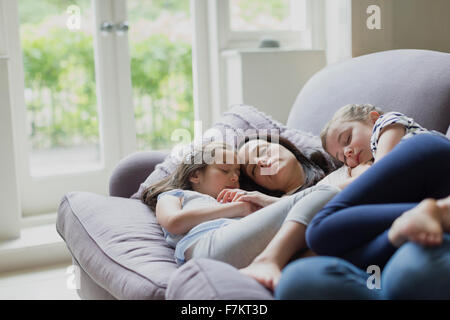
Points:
(270, 79)
(338, 30)
(405, 24)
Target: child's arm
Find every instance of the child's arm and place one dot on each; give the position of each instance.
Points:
(390, 136)
(176, 220)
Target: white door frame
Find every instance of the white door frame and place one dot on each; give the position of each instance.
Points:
(9, 194)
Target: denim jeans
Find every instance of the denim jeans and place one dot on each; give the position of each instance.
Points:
(413, 272)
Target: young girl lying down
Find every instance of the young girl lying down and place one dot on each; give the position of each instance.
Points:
(363, 134)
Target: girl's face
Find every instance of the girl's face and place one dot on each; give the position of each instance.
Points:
(349, 141)
(218, 176)
(271, 165)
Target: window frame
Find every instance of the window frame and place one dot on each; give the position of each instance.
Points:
(9, 196)
(250, 39)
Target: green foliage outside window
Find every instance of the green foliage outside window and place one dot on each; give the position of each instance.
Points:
(251, 9)
(60, 86)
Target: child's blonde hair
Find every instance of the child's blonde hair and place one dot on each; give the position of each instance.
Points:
(349, 112)
(179, 179)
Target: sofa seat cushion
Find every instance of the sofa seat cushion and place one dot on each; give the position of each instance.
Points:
(206, 279)
(118, 243)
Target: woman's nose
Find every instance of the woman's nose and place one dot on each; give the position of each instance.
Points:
(263, 162)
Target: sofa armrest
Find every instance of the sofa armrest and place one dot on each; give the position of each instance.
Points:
(118, 243)
(131, 171)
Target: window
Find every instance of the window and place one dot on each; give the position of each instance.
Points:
(245, 23)
(60, 92)
(79, 68)
(160, 39)
(256, 15)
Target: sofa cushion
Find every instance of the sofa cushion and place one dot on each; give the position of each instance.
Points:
(118, 243)
(206, 279)
(414, 82)
(234, 124)
(132, 170)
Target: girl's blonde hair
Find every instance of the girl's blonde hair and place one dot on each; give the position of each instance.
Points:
(179, 179)
(349, 112)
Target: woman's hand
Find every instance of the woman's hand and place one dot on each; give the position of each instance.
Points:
(257, 198)
(251, 207)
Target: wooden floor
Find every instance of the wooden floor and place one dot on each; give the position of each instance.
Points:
(49, 283)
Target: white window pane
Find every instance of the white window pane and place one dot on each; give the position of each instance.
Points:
(260, 15)
(160, 38)
(60, 96)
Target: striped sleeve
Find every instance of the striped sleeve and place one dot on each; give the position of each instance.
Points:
(386, 120)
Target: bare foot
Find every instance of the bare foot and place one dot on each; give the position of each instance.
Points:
(444, 204)
(422, 224)
(264, 271)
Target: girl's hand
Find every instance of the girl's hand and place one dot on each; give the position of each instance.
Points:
(359, 169)
(257, 198)
(230, 195)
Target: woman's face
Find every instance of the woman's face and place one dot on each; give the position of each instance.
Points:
(270, 165)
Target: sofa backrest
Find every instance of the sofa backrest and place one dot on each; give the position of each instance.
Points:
(414, 82)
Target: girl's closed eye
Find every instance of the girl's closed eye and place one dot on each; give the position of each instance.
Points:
(228, 170)
(349, 139)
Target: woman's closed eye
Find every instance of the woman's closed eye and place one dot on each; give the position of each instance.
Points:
(262, 150)
(252, 170)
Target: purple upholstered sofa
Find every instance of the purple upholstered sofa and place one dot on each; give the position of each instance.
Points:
(117, 243)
